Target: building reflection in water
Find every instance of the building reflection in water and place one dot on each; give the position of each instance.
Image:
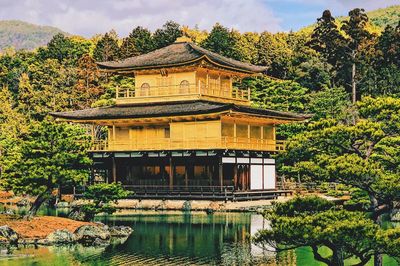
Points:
(220, 237)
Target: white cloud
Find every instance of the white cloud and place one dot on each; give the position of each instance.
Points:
(91, 17)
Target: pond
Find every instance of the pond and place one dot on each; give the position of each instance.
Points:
(172, 238)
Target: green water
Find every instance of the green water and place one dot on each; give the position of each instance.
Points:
(172, 238)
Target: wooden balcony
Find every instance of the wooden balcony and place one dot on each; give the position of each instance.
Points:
(190, 144)
(179, 92)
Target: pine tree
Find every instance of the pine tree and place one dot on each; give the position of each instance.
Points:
(138, 42)
(275, 53)
(389, 45)
(107, 48)
(128, 48)
(143, 40)
(168, 34)
(355, 29)
(219, 40)
(51, 154)
(326, 38)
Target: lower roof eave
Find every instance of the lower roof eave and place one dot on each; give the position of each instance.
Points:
(173, 110)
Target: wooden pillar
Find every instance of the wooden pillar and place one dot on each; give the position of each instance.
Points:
(245, 177)
(112, 143)
(221, 173)
(235, 176)
(114, 170)
(186, 176)
(248, 177)
(209, 173)
(171, 173)
(241, 177)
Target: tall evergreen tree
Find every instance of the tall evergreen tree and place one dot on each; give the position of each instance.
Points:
(389, 45)
(143, 40)
(219, 40)
(169, 32)
(106, 48)
(275, 53)
(231, 43)
(326, 38)
(58, 48)
(387, 62)
(138, 42)
(66, 50)
(357, 34)
(128, 48)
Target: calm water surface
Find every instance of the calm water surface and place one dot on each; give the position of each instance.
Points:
(172, 238)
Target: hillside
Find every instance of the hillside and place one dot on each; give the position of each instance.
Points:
(23, 35)
(379, 18)
(385, 16)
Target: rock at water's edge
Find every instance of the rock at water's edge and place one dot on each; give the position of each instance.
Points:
(120, 231)
(7, 234)
(92, 235)
(62, 236)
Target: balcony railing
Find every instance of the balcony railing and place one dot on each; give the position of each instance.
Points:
(190, 144)
(179, 90)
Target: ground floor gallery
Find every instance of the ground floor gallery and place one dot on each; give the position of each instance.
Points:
(237, 170)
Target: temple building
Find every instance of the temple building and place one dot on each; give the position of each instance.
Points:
(184, 129)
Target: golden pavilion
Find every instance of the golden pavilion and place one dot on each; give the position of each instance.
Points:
(184, 130)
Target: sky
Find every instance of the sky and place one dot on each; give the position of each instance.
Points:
(90, 17)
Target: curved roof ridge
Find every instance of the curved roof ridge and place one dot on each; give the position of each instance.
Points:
(226, 60)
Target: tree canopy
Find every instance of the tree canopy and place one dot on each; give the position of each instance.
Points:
(315, 222)
(49, 156)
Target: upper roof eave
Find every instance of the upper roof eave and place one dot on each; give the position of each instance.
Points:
(178, 54)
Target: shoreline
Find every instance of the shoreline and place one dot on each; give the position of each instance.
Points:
(158, 204)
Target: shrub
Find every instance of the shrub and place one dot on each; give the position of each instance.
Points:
(100, 200)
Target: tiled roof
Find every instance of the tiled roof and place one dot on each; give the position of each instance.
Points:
(176, 54)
